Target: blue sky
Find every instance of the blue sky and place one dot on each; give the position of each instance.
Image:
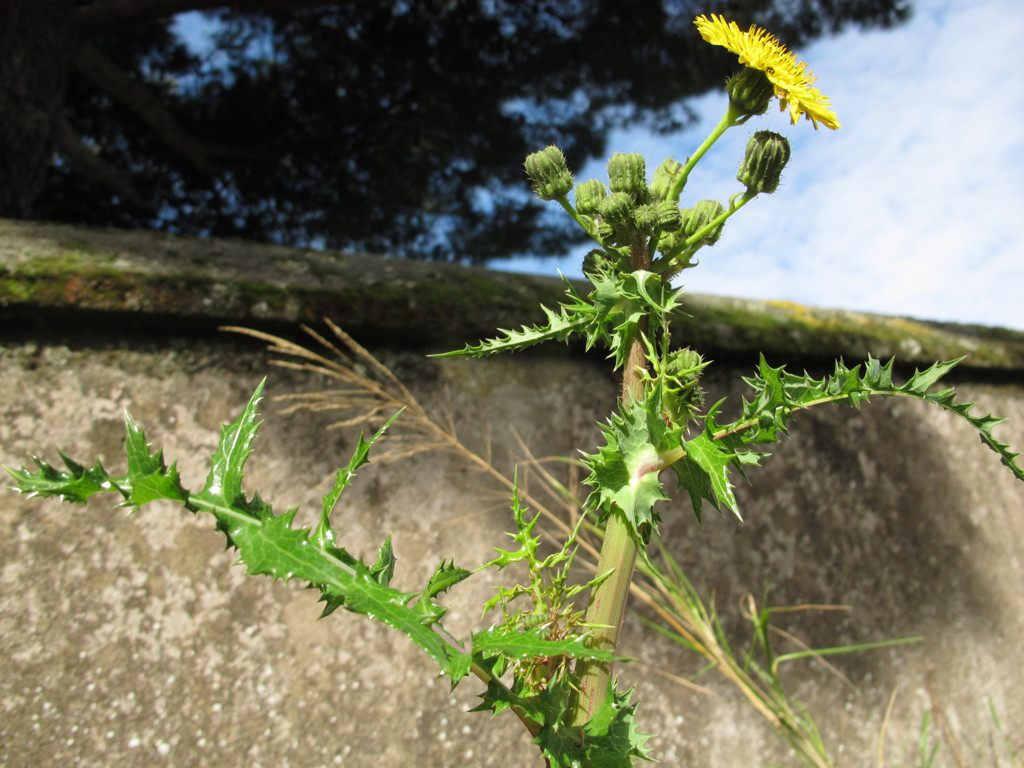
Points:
(915, 206)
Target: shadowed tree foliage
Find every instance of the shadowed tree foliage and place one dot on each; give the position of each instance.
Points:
(373, 124)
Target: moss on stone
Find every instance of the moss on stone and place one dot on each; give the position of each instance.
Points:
(45, 266)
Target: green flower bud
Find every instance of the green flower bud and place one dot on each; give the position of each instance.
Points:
(549, 173)
(698, 217)
(646, 218)
(670, 242)
(664, 178)
(750, 91)
(664, 216)
(628, 173)
(761, 169)
(595, 262)
(670, 218)
(589, 195)
(683, 363)
(616, 208)
(683, 396)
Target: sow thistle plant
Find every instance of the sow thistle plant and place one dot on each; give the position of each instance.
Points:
(549, 653)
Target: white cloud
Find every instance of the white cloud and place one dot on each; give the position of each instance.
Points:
(913, 206)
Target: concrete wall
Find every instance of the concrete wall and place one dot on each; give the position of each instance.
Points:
(132, 641)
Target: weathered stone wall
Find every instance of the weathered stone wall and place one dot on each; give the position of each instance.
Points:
(132, 641)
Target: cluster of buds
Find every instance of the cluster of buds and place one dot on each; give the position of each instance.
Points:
(625, 211)
(630, 211)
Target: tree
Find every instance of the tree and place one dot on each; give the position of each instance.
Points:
(395, 126)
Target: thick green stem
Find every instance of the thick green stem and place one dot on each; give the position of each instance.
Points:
(618, 552)
(619, 549)
(605, 614)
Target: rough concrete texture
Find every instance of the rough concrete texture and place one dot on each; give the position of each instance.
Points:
(133, 641)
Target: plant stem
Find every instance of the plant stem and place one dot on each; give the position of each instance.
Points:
(618, 551)
(730, 119)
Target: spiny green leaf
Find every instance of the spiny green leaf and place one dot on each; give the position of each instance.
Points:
(704, 472)
(610, 739)
(523, 536)
(384, 568)
(147, 478)
(575, 315)
(534, 644)
(545, 707)
(778, 395)
(151, 479)
(75, 485)
(558, 328)
(446, 576)
(323, 534)
(267, 543)
(625, 302)
(624, 471)
(225, 478)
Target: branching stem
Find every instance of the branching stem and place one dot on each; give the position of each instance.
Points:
(618, 551)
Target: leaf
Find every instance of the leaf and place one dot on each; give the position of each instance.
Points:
(704, 473)
(342, 479)
(624, 471)
(528, 543)
(151, 479)
(779, 395)
(713, 460)
(75, 486)
(267, 543)
(384, 568)
(534, 644)
(445, 577)
(225, 478)
(625, 301)
(610, 739)
(574, 315)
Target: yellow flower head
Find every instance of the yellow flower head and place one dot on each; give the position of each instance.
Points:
(793, 82)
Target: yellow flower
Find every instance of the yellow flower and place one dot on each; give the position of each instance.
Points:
(793, 82)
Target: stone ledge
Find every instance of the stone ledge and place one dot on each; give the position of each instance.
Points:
(63, 275)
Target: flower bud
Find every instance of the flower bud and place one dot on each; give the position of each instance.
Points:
(684, 364)
(750, 91)
(549, 173)
(664, 178)
(670, 242)
(664, 216)
(616, 208)
(596, 262)
(646, 218)
(698, 217)
(628, 173)
(683, 395)
(589, 195)
(670, 218)
(761, 169)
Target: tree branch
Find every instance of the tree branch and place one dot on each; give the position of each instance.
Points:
(126, 90)
(98, 169)
(117, 15)
(130, 93)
